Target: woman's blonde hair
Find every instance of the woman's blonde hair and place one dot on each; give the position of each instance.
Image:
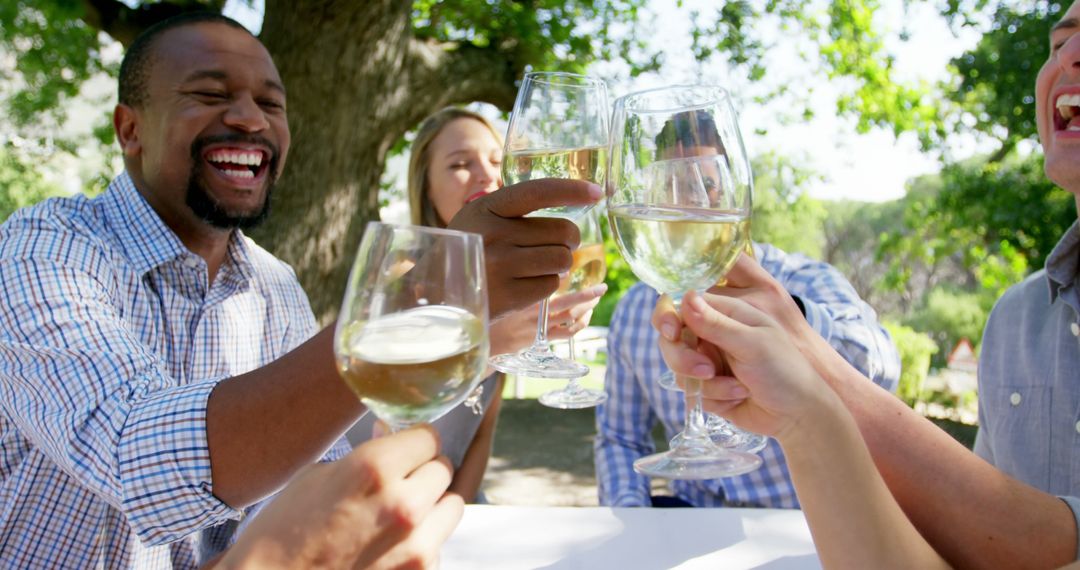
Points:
(421, 210)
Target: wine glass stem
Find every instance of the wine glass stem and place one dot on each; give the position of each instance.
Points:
(570, 348)
(542, 325)
(695, 417)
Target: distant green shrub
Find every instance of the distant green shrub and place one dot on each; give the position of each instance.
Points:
(915, 349)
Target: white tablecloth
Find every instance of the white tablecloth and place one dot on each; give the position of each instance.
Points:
(599, 538)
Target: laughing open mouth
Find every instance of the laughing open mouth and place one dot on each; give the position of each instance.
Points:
(1067, 112)
(240, 164)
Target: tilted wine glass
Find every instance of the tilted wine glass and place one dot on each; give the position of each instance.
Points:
(558, 129)
(412, 337)
(679, 197)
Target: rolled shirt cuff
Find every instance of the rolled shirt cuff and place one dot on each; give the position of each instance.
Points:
(165, 466)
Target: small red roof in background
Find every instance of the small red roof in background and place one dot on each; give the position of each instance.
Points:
(963, 357)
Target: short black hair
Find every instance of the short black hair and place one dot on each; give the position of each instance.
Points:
(135, 68)
(689, 129)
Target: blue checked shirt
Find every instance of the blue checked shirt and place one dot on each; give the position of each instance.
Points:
(636, 401)
(111, 340)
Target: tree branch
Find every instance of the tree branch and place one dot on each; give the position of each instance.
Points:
(451, 73)
(124, 23)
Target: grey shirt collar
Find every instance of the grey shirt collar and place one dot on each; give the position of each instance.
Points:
(1063, 263)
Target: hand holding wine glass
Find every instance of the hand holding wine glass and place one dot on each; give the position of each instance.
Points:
(558, 129)
(679, 199)
(411, 340)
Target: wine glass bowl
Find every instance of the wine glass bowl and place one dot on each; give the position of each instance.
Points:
(411, 340)
(558, 129)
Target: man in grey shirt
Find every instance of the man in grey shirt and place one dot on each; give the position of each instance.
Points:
(1029, 373)
(1029, 367)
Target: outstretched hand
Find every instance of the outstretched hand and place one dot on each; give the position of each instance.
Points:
(525, 256)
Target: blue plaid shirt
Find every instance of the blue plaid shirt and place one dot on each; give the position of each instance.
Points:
(111, 340)
(636, 401)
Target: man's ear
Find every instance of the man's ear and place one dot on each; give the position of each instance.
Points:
(126, 125)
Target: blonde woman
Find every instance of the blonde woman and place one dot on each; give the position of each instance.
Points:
(457, 158)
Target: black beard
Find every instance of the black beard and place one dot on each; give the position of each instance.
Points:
(210, 210)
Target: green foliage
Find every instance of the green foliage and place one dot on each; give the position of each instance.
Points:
(563, 35)
(947, 316)
(851, 230)
(857, 50)
(1007, 202)
(55, 51)
(20, 183)
(915, 350)
(980, 225)
(996, 79)
(784, 214)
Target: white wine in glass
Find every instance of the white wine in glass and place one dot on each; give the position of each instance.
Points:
(679, 200)
(411, 340)
(558, 129)
(577, 164)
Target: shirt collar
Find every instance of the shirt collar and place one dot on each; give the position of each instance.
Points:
(1063, 263)
(150, 243)
(142, 234)
(239, 258)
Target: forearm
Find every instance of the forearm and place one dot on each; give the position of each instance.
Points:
(264, 425)
(469, 476)
(840, 489)
(973, 514)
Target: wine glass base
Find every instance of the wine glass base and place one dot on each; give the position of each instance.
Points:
(573, 399)
(696, 464)
(533, 365)
(727, 435)
(744, 441)
(667, 382)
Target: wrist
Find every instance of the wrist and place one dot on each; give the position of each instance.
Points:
(816, 423)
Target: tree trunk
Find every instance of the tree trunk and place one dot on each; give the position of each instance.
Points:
(357, 81)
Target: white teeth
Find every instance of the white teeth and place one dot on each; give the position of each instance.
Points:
(1070, 99)
(1074, 128)
(239, 173)
(242, 158)
(1065, 104)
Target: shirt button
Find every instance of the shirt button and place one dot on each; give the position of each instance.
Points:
(1077, 427)
(191, 261)
(1075, 328)
(1015, 398)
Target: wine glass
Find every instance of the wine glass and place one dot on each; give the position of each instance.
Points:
(558, 129)
(679, 194)
(588, 270)
(411, 340)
